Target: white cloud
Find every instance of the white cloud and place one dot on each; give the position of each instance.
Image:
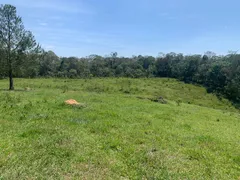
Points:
(48, 47)
(53, 5)
(43, 24)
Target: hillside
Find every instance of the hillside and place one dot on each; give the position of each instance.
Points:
(119, 133)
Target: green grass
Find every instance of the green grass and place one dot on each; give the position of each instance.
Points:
(119, 134)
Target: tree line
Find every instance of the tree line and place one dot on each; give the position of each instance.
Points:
(20, 56)
(219, 74)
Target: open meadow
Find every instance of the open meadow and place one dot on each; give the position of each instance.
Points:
(124, 128)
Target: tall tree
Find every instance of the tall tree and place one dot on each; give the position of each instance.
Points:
(14, 39)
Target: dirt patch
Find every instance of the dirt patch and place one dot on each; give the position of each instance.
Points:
(72, 102)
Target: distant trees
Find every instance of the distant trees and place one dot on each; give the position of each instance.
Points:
(3, 66)
(48, 64)
(15, 41)
(219, 74)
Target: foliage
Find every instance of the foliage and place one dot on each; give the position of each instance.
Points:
(19, 57)
(15, 42)
(219, 74)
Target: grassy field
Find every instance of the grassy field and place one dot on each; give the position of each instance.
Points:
(119, 133)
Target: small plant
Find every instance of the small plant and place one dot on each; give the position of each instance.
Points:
(64, 89)
(159, 100)
(178, 102)
(126, 92)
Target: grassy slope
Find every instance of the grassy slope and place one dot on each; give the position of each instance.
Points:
(117, 135)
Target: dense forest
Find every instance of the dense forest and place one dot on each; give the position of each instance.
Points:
(219, 74)
(21, 56)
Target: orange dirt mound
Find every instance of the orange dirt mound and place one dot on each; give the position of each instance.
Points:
(72, 102)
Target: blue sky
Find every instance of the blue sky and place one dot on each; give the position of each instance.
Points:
(132, 27)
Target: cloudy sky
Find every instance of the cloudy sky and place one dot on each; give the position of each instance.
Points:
(132, 27)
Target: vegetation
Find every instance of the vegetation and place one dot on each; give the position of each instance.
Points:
(133, 126)
(19, 52)
(120, 133)
(15, 41)
(219, 74)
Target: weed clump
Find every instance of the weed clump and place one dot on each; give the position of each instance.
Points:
(159, 100)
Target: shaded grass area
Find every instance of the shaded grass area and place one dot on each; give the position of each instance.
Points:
(117, 135)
